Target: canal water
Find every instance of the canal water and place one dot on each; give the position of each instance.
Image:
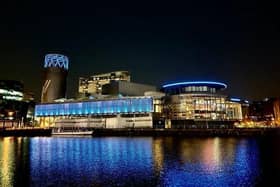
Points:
(139, 161)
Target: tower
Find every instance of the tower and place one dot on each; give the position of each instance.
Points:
(54, 77)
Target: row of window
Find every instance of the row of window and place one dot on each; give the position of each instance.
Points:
(191, 89)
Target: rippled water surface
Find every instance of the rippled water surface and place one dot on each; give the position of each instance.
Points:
(145, 161)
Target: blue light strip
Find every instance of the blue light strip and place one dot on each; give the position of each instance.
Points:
(118, 106)
(194, 82)
(235, 99)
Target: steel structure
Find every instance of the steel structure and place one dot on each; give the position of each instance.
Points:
(56, 60)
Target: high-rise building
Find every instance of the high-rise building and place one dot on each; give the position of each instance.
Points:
(93, 84)
(55, 77)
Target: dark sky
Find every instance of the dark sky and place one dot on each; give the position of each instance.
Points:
(236, 42)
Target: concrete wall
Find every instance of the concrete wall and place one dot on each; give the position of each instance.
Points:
(56, 88)
(126, 88)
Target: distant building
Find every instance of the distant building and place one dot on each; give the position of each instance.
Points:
(126, 88)
(11, 90)
(93, 84)
(199, 104)
(13, 106)
(266, 111)
(55, 77)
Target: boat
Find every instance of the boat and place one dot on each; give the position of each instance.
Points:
(63, 132)
(81, 133)
(71, 127)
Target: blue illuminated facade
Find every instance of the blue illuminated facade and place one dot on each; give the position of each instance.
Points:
(56, 60)
(98, 107)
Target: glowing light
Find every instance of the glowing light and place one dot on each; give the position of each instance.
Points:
(235, 99)
(11, 92)
(125, 105)
(56, 60)
(195, 83)
(12, 98)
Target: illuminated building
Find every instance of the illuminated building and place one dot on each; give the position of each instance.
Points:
(13, 106)
(199, 104)
(93, 84)
(11, 90)
(127, 112)
(55, 75)
(266, 111)
(158, 119)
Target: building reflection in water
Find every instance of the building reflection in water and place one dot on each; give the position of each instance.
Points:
(211, 161)
(158, 156)
(91, 161)
(14, 161)
(128, 161)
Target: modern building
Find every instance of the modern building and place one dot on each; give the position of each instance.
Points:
(13, 106)
(127, 112)
(158, 117)
(199, 104)
(126, 88)
(11, 90)
(93, 84)
(55, 77)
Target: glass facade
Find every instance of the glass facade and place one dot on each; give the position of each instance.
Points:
(202, 106)
(114, 106)
(199, 100)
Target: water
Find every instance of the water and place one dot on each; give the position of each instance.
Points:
(145, 161)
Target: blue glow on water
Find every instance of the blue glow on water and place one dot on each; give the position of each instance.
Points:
(146, 161)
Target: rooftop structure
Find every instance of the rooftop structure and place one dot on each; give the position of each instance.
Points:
(126, 88)
(56, 60)
(193, 86)
(93, 84)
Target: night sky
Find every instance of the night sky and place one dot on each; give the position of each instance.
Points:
(236, 42)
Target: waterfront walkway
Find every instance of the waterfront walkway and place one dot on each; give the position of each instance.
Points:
(36, 131)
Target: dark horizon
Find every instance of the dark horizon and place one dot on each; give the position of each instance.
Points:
(232, 42)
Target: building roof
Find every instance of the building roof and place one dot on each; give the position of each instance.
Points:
(218, 85)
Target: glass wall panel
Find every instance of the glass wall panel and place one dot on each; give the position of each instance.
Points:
(129, 105)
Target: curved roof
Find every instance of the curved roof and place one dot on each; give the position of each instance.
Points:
(213, 84)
